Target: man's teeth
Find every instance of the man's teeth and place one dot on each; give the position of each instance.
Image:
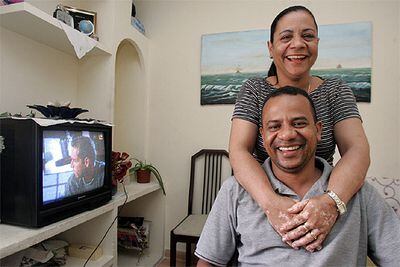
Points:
(289, 148)
(296, 57)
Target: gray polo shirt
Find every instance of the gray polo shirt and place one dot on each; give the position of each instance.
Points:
(236, 221)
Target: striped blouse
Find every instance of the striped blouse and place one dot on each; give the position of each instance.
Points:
(333, 100)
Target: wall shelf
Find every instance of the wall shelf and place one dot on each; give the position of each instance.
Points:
(37, 46)
(33, 23)
(14, 238)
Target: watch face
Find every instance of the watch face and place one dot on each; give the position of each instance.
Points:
(86, 27)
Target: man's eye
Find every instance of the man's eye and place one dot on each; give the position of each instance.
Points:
(273, 127)
(299, 124)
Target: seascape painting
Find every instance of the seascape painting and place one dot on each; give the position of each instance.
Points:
(229, 59)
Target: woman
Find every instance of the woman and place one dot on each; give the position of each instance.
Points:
(293, 46)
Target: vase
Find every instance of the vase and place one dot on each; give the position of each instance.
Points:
(143, 176)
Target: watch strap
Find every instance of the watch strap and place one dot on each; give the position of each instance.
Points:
(341, 207)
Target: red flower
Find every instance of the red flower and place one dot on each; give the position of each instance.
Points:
(120, 164)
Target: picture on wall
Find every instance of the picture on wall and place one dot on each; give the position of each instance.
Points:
(229, 59)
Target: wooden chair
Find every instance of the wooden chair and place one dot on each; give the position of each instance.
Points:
(205, 181)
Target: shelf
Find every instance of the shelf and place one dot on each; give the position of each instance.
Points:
(33, 23)
(105, 260)
(136, 190)
(131, 258)
(15, 238)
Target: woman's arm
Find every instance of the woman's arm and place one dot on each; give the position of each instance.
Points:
(251, 175)
(349, 173)
(346, 179)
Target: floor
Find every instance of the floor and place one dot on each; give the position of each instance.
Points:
(179, 263)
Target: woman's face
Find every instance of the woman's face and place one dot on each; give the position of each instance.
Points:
(295, 46)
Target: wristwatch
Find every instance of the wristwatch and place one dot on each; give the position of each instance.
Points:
(341, 207)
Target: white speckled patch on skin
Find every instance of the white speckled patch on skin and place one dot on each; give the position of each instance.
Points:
(319, 218)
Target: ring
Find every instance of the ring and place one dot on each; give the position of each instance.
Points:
(313, 236)
(305, 227)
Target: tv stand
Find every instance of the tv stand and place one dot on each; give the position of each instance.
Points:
(89, 227)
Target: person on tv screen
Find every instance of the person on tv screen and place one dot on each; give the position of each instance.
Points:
(88, 174)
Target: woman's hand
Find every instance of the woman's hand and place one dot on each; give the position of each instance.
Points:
(311, 221)
(279, 216)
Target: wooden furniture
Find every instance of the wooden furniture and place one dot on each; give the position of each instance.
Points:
(208, 168)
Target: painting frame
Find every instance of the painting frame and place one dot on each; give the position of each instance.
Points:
(230, 58)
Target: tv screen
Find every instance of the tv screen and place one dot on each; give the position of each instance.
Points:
(73, 163)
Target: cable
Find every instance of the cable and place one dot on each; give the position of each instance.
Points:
(104, 236)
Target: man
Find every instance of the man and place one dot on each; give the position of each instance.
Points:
(290, 134)
(88, 174)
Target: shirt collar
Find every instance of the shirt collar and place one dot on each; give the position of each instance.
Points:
(318, 187)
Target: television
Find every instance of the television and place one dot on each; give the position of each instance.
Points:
(51, 171)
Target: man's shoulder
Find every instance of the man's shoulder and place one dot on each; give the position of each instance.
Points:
(231, 184)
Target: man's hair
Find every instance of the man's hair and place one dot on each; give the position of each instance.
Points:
(85, 147)
(291, 90)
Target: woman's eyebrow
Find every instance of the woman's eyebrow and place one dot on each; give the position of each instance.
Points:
(286, 31)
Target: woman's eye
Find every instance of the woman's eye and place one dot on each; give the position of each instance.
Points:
(308, 37)
(286, 38)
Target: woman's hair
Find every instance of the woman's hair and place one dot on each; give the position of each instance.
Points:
(272, 69)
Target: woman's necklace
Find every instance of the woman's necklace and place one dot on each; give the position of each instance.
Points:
(308, 90)
(309, 86)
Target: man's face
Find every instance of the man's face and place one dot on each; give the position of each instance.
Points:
(77, 164)
(289, 132)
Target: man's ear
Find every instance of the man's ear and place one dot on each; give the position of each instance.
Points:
(86, 161)
(318, 125)
(261, 130)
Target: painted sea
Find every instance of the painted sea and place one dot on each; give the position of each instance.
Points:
(223, 88)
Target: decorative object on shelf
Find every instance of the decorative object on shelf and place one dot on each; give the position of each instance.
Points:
(143, 171)
(79, 15)
(47, 253)
(63, 15)
(86, 27)
(58, 111)
(1, 143)
(83, 251)
(133, 233)
(120, 164)
(135, 21)
(9, 2)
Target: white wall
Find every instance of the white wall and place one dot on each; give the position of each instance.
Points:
(179, 126)
(22, 68)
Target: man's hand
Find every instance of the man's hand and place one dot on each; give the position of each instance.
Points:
(311, 221)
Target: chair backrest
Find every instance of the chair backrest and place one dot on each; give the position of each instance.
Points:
(209, 167)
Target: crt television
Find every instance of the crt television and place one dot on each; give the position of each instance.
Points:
(51, 171)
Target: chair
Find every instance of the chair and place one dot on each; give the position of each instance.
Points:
(205, 181)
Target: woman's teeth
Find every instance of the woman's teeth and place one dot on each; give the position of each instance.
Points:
(295, 57)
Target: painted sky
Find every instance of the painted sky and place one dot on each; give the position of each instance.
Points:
(346, 44)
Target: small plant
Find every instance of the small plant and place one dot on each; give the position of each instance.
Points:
(143, 166)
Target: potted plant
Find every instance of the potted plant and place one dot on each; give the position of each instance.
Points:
(143, 171)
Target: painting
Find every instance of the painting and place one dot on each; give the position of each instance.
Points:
(229, 59)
